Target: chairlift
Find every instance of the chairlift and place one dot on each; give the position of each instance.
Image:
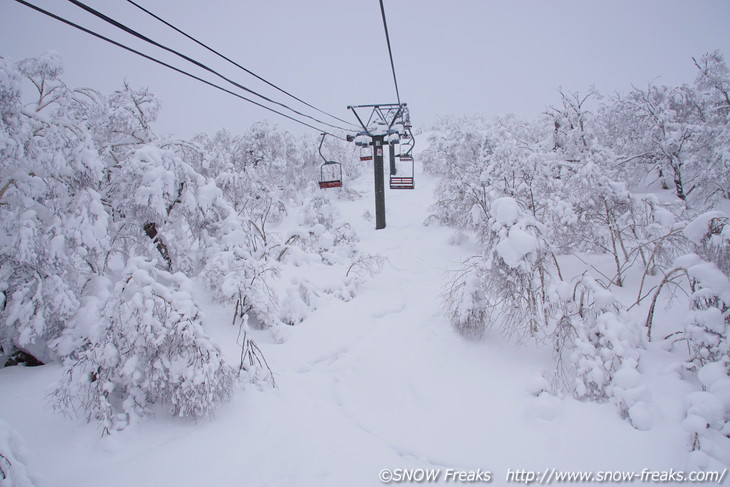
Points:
(406, 134)
(406, 152)
(366, 153)
(403, 177)
(330, 174)
(404, 172)
(398, 181)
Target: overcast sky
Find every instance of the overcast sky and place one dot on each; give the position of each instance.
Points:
(452, 57)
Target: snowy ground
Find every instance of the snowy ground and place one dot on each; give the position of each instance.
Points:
(378, 382)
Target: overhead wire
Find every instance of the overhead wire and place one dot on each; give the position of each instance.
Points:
(133, 32)
(162, 63)
(390, 52)
(176, 29)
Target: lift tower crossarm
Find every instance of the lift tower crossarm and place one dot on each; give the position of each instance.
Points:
(389, 113)
(364, 127)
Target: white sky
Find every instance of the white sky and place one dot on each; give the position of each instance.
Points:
(452, 57)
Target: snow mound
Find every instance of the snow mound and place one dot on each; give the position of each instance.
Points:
(517, 245)
(505, 211)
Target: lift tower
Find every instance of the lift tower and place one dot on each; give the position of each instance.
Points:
(386, 124)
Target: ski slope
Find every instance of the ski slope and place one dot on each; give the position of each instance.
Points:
(378, 382)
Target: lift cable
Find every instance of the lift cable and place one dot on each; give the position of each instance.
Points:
(233, 62)
(131, 31)
(134, 51)
(390, 52)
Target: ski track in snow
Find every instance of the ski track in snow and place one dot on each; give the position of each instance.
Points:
(378, 382)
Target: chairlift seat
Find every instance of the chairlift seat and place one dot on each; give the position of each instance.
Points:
(402, 176)
(398, 182)
(330, 184)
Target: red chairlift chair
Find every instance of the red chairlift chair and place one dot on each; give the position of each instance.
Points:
(330, 173)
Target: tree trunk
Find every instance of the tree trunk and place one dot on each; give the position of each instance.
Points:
(150, 229)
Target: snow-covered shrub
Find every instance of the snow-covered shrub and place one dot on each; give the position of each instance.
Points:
(462, 200)
(708, 321)
(453, 144)
(596, 346)
(515, 267)
(506, 283)
(241, 274)
(710, 232)
(704, 337)
(253, 363)
(482, 161)
(708, 414)
(323, 231)
(320, 237)
(261, 170)
(706, 331)
(149, 348)
(363, 267)
(466, 304)
(13, 459)
(655, 235)
(631, 396)
(589, 211)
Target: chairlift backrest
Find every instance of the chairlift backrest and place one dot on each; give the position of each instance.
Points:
(403, 175)
(330, 175)
(366, 153)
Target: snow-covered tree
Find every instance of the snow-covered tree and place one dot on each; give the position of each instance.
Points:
(95, 212)
(713, 87)
(678, 133)
(713, 80)
(52, 219)
(148, 349)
